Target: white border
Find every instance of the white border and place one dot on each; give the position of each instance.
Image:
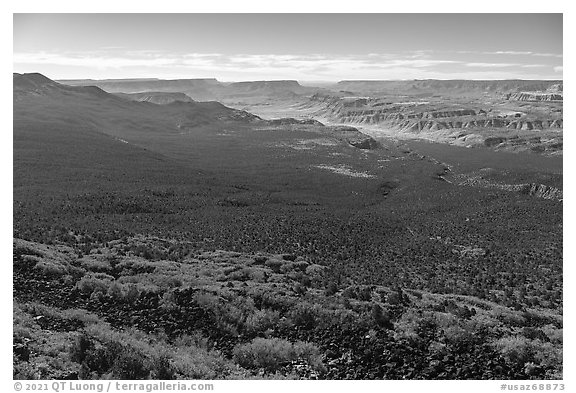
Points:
(298, 6)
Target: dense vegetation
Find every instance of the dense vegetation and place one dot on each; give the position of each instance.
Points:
(113, 314)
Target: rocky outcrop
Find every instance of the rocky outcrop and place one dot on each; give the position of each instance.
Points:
(291, 121)
(354, 137)
(534, 96)
(542, 191)
(532, 189)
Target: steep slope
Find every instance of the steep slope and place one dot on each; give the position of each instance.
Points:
(535, 96)
(39, 98)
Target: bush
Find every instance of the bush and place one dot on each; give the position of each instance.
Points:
(381, 317)
(261, 320)
(300, 265)
(350, 292)
(304, 315)
(243, 274)
(274, 265)
(50, 268)
(103, 353)
(260, 259)
(272, 353)
(516, 350)
(331, 289)
(365, 293)
(94, 282)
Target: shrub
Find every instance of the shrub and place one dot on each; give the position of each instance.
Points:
(395, 298)
(350, 292)
(243, 274)
(128, 362)
(131, 293)
(274, 265)
(534, 333)
(548, 356)
(168, 301)
(115, 291)
(300, 265)
(516, 350)
(304, 315)
(381, 317)
(51, 269)
(554, 334)
(331, 289)
(260, 259)
(94, 282)
(261, 320)
(365, 293)
(272, 353)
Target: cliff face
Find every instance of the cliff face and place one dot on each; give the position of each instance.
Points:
(536, 190)
(542, 191)
(408, 118)
(534, 96)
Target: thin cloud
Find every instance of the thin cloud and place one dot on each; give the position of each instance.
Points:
(88, 61)
(492, 65)
(510, 53)
(548, 55)
(399, 65)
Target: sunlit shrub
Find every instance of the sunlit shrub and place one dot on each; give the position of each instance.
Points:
(261, 320)
(272, 353)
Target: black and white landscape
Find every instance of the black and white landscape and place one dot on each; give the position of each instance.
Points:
(353, 224)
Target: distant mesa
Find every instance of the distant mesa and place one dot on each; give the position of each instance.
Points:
(445, 86)
(199, 89)
(141, 85)
(278, 85)
(156, 97)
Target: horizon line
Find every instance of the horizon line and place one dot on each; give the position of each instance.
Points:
(284, 80)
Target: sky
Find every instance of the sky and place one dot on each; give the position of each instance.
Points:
(304, 47)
